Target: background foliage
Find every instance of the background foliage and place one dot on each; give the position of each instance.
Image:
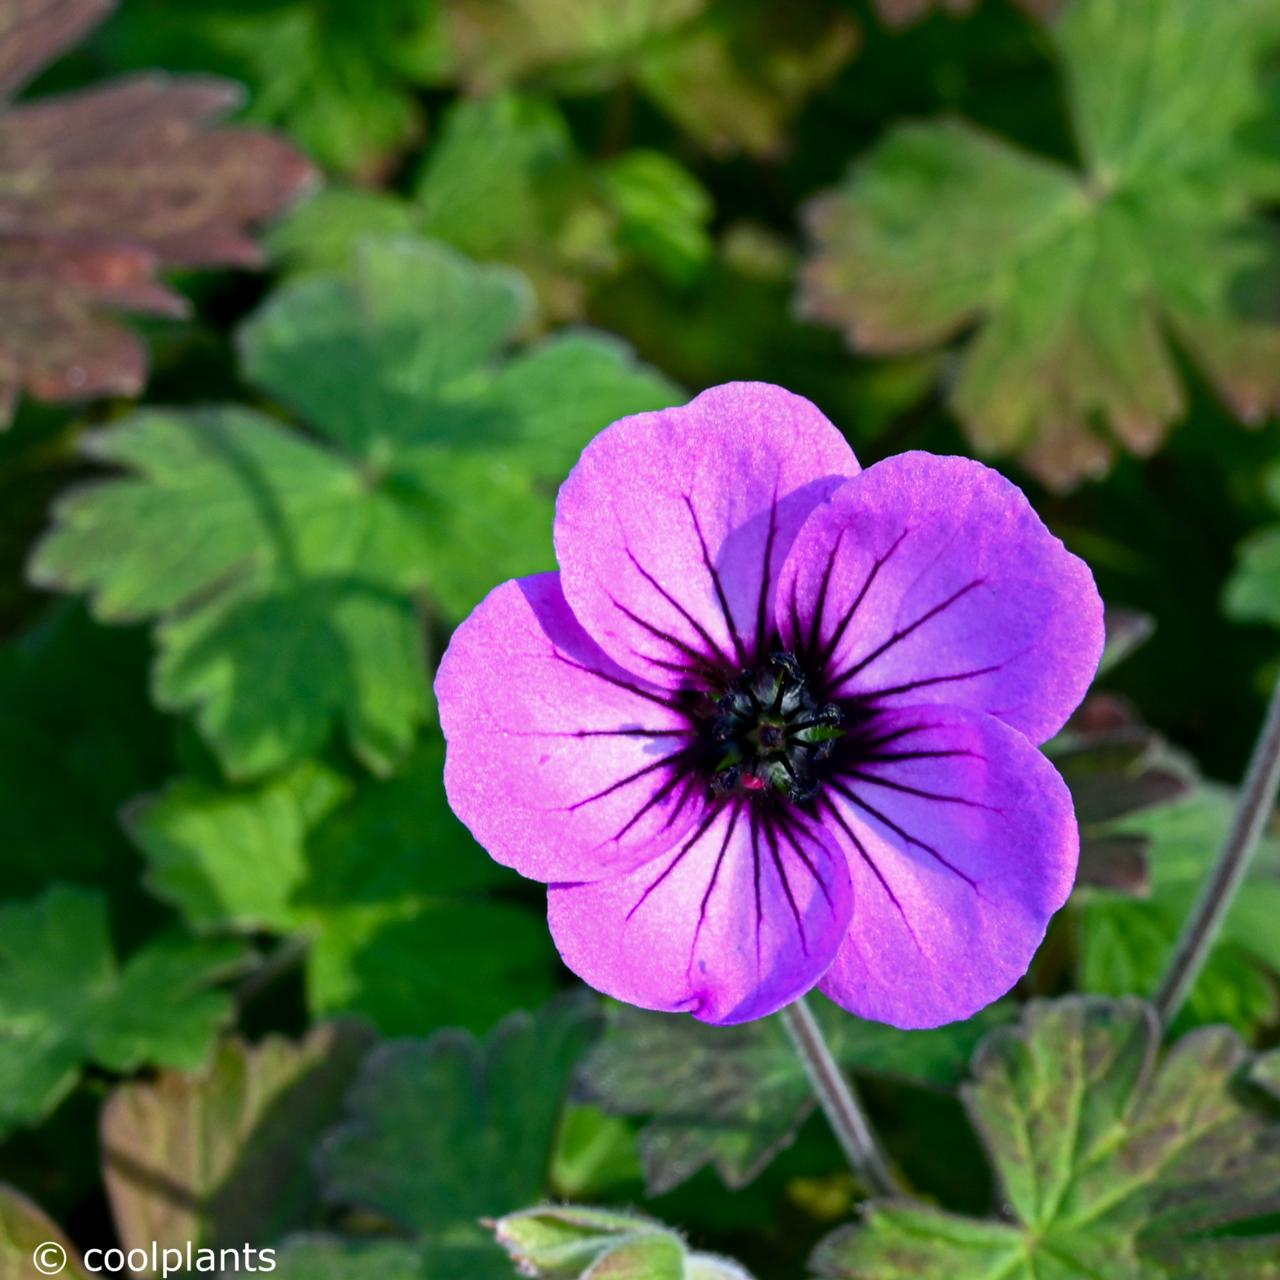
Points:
(306, 308)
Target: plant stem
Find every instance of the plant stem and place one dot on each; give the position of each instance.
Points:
(1253, 808)
(840, 1102)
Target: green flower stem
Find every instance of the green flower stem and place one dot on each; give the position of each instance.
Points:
(1253, 809)
(840, 1102)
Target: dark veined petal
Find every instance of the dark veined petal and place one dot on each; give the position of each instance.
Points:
(562, 764)
(673, 527)
(929, 579)
(738, 919)
(961, 843)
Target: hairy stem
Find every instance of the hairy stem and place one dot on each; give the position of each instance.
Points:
(840, 1102)
(1253, 808)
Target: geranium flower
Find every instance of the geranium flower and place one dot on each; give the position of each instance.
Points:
(773, 723)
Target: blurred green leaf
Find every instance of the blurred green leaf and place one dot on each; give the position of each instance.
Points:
(565, 1242)
(78, 738)
(321, 233)
(1074, 276)
(663, 213)
(735, 77)
(901, 13)
(734, 1097)
(223, 1158)
(284, 568)
(495, 42)
(595, 1157)
(338, 77)
(1253, 591)
(447, 1131)
(1266, 1072)
(318, 1257)
(506, 182)
(1110, 1163)
(392, 895)
(24, 1227)
(1124, 944)
(65, 1001)
(731, 73)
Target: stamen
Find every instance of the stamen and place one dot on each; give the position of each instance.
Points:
(769, 733)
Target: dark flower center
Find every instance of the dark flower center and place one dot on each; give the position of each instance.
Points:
(769, 733)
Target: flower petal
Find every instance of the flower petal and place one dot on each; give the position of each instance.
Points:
(929, 579)
(962, 844)
(736, 921)
(673, 527)
(559, 762)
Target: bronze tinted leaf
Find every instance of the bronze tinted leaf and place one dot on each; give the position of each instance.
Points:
(1113, 1161)
(100, 189)
(34, 32)
(1069, 286)
(223, 1157)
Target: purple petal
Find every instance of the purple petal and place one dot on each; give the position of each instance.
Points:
(961, 843)
(559, 762)
(673, 527)
(736, 921)
(929, 579)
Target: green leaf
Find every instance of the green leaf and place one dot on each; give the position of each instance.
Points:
(322, 232)
(388, 888)
(1124, 944)
(24, 1227)
(734, 1097)
(281, 583)
(731, 73)
(284, 569)
(734, 78)
(447, 1131)
(595, 1157)
(1266, 1072)
(66, 1002)
(78, 738)
(490, 43)
(505, 181)
(224, 1157)
(403, 365)
(1252, 593)
(336, 77)
(317, 1257)
(1073, 276)
(663, 213)
(565, 1242)
(1110, 1163)
(901, 13)
(235, 856)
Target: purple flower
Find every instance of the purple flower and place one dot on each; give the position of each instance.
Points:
(773, 724)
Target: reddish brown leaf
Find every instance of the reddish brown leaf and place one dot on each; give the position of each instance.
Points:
(53, 335)
(34, 32)
(99, 190)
